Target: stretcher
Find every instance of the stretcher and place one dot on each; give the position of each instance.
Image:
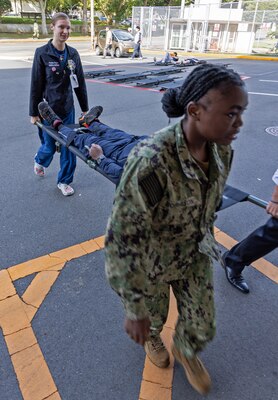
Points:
(154, 81)
(136, 76)
(59, 140)
(230, 197)
(168, 64)
(129, 77)
(101, 73)
(171, 70)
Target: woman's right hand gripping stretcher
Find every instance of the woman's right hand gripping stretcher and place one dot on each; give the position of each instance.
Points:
(35, 119)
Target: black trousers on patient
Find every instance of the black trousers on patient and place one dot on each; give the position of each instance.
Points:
(260, 242)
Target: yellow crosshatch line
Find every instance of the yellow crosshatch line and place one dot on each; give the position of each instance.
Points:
(16, 314)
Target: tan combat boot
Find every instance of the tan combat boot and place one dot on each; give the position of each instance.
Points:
(157, 353)
(195, 372)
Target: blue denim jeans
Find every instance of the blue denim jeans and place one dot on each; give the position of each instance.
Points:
(137, 50)
(47, 149)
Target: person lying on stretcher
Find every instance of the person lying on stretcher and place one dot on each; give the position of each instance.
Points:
(109, 147)
(172, 58)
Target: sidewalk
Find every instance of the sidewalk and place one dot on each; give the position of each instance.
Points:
(157, 51)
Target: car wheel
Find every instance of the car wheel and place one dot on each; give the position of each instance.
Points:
(118, 52)
(97, 51)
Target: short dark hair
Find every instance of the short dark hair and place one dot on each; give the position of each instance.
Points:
(137, 27)
(196, 85)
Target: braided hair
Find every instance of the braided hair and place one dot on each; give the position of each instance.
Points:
(196, 85)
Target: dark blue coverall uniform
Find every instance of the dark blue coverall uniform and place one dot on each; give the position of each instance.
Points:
(116, 145)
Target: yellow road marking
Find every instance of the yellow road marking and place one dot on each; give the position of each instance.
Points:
(16, 314)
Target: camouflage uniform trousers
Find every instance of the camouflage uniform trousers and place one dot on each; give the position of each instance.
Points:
(195, 302)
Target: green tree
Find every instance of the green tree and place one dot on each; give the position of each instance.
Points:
(66, 6)
(160, 3)
(85, 28)
(5, 5)
(118, 9)
(42, 7)
(265, 11)
(48, 6)
(262, 5)
(113, 9)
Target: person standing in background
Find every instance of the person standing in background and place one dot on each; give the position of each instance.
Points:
(56, 72)
(108, 43)
(137, 47)
(36, 31)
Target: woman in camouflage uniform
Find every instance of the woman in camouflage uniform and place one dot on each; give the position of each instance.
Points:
(160, 233)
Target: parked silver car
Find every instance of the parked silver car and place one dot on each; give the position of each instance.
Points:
(123, 42)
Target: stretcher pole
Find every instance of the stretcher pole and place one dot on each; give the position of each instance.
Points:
(257, 201)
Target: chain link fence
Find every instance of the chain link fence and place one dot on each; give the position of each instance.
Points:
(240, 27)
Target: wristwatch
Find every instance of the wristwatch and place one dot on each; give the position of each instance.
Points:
(100, 158)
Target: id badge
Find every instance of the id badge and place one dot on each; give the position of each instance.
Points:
(74, 81)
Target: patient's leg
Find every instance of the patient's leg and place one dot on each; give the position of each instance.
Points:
(66, 132)
(101, 129)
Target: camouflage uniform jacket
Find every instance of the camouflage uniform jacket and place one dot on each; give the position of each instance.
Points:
(163, 214)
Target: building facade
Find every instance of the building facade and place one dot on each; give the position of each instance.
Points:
(206, 25)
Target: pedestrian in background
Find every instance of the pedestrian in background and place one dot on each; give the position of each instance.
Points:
(137, 46)
(108, 43)
(56, 73)
(36, 32)
(160, 233)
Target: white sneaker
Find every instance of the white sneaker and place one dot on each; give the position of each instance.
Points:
(38, 169)
(67, 190)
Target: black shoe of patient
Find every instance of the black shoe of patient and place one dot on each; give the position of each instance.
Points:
(49, 115)
(236, 280)
(90, 116)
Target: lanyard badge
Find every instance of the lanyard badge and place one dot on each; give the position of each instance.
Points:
(71, 66)
(73, 77)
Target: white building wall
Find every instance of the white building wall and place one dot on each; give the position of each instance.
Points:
(212, 13)
(244, 42)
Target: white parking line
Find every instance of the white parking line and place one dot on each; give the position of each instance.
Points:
(92, 63)
(27, 60)
(264, 94)
(266, 73)
(267, 80)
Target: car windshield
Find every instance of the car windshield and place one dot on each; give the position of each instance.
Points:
(123, 35)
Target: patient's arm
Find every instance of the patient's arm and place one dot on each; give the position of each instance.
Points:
(95, 151)
(107, 165)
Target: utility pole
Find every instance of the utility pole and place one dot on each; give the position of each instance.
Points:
(92, 23)
(182, 8)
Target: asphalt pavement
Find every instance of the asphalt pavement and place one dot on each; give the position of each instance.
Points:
(62, 326)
